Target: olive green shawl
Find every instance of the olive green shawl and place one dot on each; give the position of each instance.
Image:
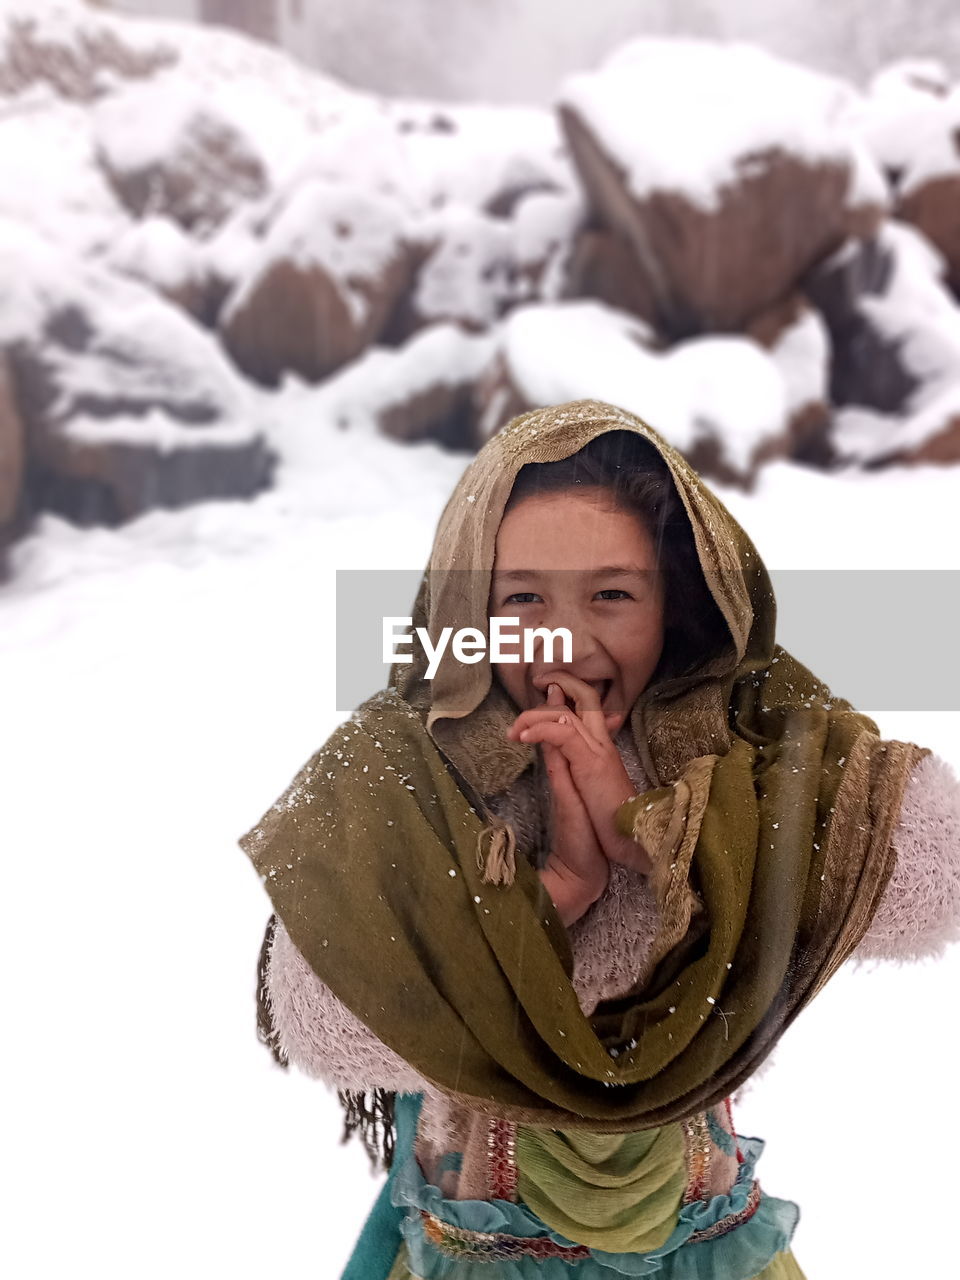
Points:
(769, 828)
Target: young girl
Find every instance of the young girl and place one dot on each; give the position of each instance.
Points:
(537, 921)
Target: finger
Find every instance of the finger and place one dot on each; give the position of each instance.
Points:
(535, 714)
(565, 732)
(565, 798)
(559, 776)
(586, 703)
(555, 696)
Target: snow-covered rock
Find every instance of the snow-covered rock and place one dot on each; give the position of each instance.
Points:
(323, 284)
(897, 374)
(158, 252)
(910, 122)
(474, 267)
(126, 403)
(867, 367)
(729, 172)
(798, 341)
(425, 388)
(468, 275)
(928, 194)
(74, 51)
(720, 401)
(902, 109)
(167, 152)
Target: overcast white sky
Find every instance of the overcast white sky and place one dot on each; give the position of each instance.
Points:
(518, 50)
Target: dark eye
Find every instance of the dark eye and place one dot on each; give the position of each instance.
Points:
(517, 594)
(614, 591)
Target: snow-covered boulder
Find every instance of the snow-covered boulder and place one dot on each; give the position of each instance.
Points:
(928, 195)
(466, 275)
(159, 253)
(915, 320)
(728, 171)
(72, 50)
(902, 109)
(126, 403)
(910, 122)
(867, 366)
(424, 389)
(473, 267)
(798, 341)
(322, 286)
(167, 151)
(721, 401)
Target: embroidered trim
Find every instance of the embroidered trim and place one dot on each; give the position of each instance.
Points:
(459, 1242)
(722, 1139)
(502, 1160)
(732, 1220)
(733, 1129)
(697, 1139)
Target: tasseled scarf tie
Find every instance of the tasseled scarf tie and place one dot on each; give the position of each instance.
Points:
(500, 864)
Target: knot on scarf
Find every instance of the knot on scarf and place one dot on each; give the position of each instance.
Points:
(500, 864)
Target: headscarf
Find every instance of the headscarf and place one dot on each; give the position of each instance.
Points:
(769, 829)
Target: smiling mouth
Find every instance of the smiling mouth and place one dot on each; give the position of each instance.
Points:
(602, 687)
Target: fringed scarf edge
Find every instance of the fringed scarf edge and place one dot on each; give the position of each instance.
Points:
(371, 1115)
(372, 1119)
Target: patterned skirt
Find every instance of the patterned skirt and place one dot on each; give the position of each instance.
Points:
(587, 1207)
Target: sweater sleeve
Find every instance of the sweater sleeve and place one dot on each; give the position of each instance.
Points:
(919, 912)
(320, 1035)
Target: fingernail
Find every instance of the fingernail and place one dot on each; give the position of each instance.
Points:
(551, 687)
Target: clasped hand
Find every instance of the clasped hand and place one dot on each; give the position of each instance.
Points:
(587, 783)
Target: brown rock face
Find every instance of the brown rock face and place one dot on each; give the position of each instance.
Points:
(713, 270)
(442, 412)
(932, 209)
(707, 456)
(209, 171)
(603, 266)
(496, 399)
(296, 318)
(942, 448)
(11, 449)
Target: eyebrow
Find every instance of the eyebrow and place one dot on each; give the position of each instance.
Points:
(607, 571)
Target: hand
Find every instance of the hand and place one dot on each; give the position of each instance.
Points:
(577, 871)
(581, 737)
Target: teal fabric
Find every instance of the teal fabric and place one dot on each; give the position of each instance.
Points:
(740, 1254)
(379, 1240)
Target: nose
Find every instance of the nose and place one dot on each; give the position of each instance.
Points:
(583, 643)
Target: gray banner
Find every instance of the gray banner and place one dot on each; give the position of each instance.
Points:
(885, 639)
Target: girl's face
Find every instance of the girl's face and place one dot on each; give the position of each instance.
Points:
(575, 560)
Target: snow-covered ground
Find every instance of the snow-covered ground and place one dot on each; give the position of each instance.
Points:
(161, 683)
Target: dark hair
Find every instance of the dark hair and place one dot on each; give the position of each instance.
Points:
(638, 480)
